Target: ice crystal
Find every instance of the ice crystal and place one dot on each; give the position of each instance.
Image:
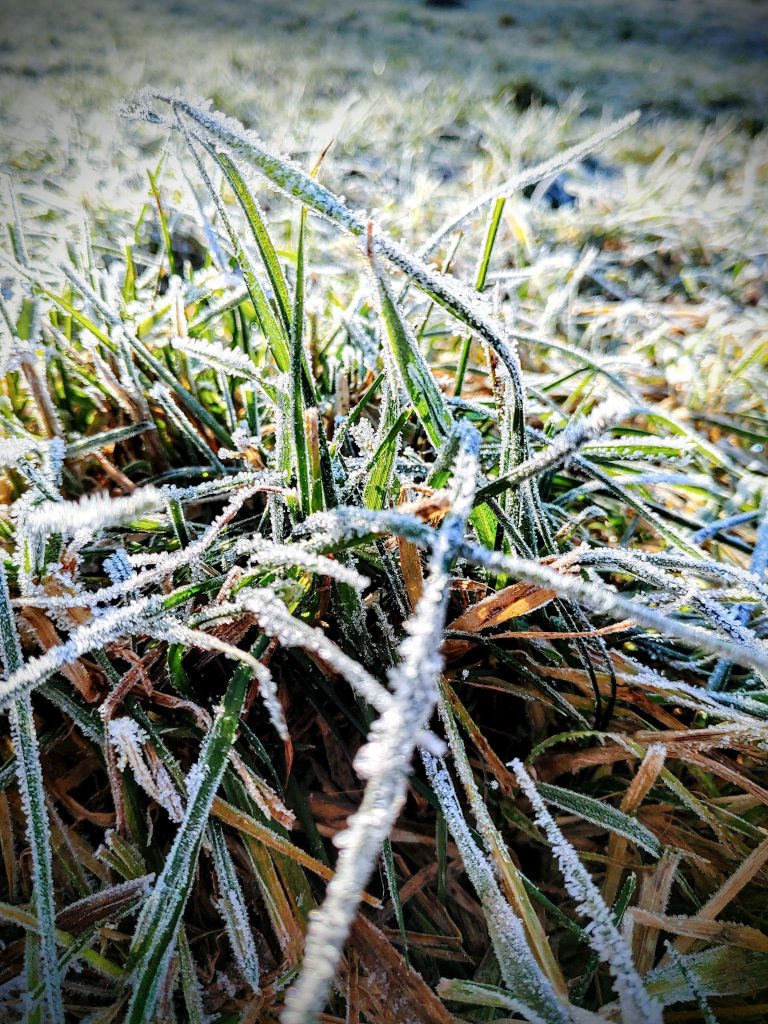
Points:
(84, 518)
(118, 566)
(637, 1006)
(384, 760)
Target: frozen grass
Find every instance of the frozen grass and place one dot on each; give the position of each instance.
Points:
(289, 505)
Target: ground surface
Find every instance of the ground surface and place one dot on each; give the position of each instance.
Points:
(395, 83)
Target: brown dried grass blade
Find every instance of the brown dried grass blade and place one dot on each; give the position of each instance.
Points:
(638, 789)
(725, 933)
(729, 890)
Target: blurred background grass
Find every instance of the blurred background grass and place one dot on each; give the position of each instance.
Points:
(392, 79)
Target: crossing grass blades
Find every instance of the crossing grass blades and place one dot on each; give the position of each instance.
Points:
(372, 651)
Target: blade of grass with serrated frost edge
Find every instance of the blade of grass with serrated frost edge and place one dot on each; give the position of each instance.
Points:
(154, 939)
(637, 1006)
(416, 378)
(231, 904)
(534, 937)
(601, 814)
(384, 760)
(720, 971)
(529, 176)
(33, 801)
(530, 991)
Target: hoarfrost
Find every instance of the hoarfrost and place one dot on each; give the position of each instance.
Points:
(637, 1006)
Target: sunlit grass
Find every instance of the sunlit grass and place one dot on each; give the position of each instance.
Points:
(256, 450)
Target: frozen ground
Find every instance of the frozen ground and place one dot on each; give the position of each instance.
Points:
(400, 85)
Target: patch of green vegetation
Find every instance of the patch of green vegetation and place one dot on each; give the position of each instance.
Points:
(233, 436)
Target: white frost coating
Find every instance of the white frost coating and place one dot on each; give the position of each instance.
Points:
(692, 982)
(124, 734)
(231, 904)
(98, 633)
(32, 792)
(128, 739)
(274, 619)
(118, 566)
(14, 449)
(349, 523)
(163, 566)
(536, 999)
(174, 632)
(605, 599)
(222, 486)
(577, 433)
(638, 561)
(229, 360)
(287, 177)
(91, 513)
(385, 759)
(637, 1006)
(162, 395)
(266, 552)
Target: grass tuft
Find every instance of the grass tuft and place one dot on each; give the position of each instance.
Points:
(285, 515)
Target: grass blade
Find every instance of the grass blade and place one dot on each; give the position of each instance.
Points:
(157, 929)
(31, 787)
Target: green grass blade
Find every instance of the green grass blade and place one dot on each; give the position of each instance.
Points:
(255, 218)
(156, 931)
(394, 893)
(301, 454)
(491, 232)
(32, 792)
(601, 814)
(232, 906)
(190, 986)
(272, 327)
(415, 376)
(379, 480)
(163, 223)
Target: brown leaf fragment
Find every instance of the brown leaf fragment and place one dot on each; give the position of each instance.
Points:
(46, 635)
(101, 906)
(724, 933)
(390, 991)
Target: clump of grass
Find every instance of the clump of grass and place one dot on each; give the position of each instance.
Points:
(417, 516)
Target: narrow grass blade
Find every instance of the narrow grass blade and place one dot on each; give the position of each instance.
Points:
(255, 218)
(301, 454)
(415, 377)
(32, 791)
(637, 1006)
(601, 814)
(231, 903)
(157, 928)
(491, 231)
(379, 482)
(163, 223)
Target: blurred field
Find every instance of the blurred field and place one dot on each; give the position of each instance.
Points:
(395, 83)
